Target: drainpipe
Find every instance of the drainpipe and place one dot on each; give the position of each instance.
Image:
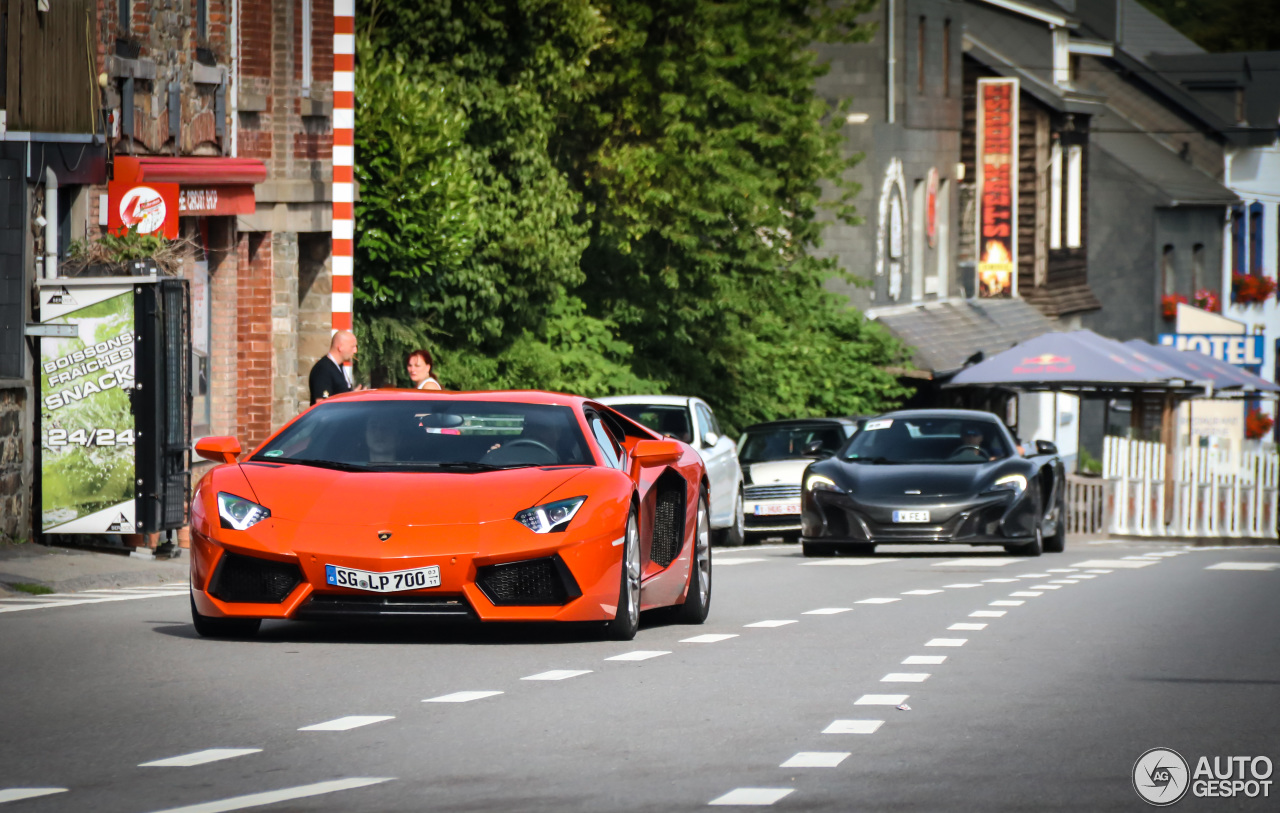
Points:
(235, 79)
(50, 223)
(892, 61)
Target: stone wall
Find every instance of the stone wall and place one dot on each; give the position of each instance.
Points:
(15, 480)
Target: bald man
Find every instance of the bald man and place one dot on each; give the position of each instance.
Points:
(330, 375)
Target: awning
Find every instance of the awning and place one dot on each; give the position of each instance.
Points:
(1222, 375)
(947, 335)
(207, 186)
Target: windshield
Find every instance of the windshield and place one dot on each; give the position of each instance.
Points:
(418, 435)
(789, 442)
(928, 440)
(672, 421)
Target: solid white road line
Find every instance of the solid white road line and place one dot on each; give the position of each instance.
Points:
(727, 562)
(461, 697)
(771, 624)
(639, 655)
(1244, 566)
(877, 601)
(816, 759)
(881, 700)
(827, 611)
(756, 797)
(853, 727)
(283, 795)
(709, 638)
(967, 627)
(1006, 603)
(987, 614)
(921, 592)
(905, 677)
(1027, 593)
(999, 581)
(18, 794)
(558, 674)
(348, 723)
(200, 757)
(1115, 563)
(947, 642)
(921, 660)
(977, 562)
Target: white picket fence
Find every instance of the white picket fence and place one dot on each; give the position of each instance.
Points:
(1215, 493)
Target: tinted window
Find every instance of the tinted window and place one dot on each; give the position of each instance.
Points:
(672, 421)
(422, 435)
(786, 442)
(612, 453)
(928, 440)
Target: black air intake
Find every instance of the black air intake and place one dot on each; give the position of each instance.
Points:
(536, 581)
(668, 519)
(249, 580)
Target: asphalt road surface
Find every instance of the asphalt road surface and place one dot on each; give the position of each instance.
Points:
(931, 679)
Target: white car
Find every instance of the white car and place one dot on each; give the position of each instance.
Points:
(691, 420)
(774, 456)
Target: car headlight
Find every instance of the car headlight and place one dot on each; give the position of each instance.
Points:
(816, 482)
(1010, 482)
(551, 517)
(238, 513)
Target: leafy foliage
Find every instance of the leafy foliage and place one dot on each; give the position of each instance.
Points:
(1223, 25)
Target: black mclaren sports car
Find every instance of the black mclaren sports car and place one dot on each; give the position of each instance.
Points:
(934, 476)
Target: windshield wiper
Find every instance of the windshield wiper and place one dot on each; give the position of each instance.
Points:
(463, 465)
(322, 464)
(875, 461)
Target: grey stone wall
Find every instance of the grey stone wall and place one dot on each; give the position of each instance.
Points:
(15, 475)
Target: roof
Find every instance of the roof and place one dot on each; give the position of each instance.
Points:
(1206, 76)
(1063, 299)
(212, 171)
(1143, 33)
(785, 422)
(1179, 182)
(657, 400)
(499, 396)
(946, 336)
(968, 414)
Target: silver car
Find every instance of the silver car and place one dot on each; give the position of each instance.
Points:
(691, 420)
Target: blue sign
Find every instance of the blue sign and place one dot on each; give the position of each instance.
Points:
(1238, 349)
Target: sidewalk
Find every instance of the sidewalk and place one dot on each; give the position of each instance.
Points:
(71, 569)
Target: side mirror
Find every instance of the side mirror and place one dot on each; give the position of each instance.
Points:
(219, 449)
(1046, 447)
(655, 452)
(710, 439)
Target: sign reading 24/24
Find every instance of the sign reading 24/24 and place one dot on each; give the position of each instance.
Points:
(1238, 349)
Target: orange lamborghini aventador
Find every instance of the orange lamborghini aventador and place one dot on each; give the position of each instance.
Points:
(489, 506)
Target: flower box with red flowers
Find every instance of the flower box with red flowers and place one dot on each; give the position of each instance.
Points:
(1257, 424)
(1207, 300)
(1169, 305)
(1248, 289)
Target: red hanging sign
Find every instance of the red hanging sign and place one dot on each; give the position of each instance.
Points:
(148, 208)
(997, 159)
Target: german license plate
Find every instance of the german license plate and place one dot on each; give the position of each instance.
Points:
(393, 582)
(910, 516)
(774, 509)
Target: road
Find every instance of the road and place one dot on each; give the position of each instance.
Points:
(918, 679)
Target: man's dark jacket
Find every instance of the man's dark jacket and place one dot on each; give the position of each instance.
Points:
(326, 379)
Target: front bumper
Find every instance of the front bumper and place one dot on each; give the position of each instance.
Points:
(992, 520)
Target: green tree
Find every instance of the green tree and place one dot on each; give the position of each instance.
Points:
(1223, 25)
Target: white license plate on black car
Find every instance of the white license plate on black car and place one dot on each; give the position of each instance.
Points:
(910, 516)
(778, 509)
(393, 582)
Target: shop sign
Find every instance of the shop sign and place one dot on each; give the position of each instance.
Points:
(148, 208)
(1238, 349)
(210, 201)
(87, 431)
(997, 160)
(931, 207)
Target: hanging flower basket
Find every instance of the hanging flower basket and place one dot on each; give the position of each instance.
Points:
(1207, 300)
(1257, 425)
(1247, 289)
(1169, 305)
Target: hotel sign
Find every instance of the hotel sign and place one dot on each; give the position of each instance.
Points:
(997, 171)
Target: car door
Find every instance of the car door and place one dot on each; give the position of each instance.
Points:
(721, 459)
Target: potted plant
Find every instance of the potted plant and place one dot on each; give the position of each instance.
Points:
(1257, 424)
(1250, 289)
(1207, 300)
(1169, 305)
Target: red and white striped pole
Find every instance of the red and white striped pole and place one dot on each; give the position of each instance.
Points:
(344, 122)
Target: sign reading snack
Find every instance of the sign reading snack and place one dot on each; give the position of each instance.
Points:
(997, 159)
(148, 208)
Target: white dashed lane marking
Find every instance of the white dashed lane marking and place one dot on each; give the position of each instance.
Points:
(921, 592)
(639, 655)
(348, 723)
(283, 795)
(1115, 563)
(987, 614)
(999, 581)
(709, 638)
(772, 623)
(1244, 566)
(967, 627)
(1046, 587)
(853, 727)
(200, 757)
(756, 797)
(1063, 581)
(1027, 593)
(1034, 576)
(905, 677)
(461, 697)
(843, 562)
(816, 759)
(1099, 571)
(1083, 576)
(1006, 603)
(881, 700)
(877, 601)
(977, 562)
(947, 642)
(558, 674)
(827, 611)
(18, 794)
(727, 562)
(1063, 569)
(921, 660)
(960, 586)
